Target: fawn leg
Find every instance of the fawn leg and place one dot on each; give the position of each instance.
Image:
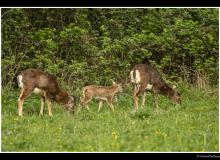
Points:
(85, 101)
(112, 107)
(109, 101)
(100, 105)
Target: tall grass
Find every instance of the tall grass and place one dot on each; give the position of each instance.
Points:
(191, 127)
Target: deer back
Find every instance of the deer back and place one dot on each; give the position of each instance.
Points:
(100, 91)
(146, 76)
(39, 79)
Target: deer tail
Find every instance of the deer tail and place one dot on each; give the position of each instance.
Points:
(20, 80)
(135, 76)
(132, 76)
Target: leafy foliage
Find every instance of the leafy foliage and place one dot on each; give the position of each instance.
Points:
(97, 46)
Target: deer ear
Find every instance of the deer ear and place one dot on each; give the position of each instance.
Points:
(174, 87)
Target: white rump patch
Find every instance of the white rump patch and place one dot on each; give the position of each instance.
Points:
(37, 91)
(149, 86)
(137, 78)
(132, 76)
(20, 83)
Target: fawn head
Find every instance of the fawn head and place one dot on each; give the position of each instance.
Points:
(119, 86)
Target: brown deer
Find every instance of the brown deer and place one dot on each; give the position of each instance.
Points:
(102, 93)
(145, 78)
(44, 84)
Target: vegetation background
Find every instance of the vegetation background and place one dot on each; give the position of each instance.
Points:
(95, 46)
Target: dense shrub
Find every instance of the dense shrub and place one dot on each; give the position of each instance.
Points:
(85, 46)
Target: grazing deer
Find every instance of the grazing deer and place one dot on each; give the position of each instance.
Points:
(145, 78)
(102, 93)
(46, 85)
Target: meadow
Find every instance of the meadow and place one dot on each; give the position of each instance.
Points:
(191, 127)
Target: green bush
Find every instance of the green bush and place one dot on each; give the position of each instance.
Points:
(96, 46)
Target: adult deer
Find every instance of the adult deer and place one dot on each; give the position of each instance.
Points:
(102, 93)
(145, 78)
(44, 84)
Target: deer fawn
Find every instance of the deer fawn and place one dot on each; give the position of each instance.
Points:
(146, 78)
(103, 93)
(46, 85)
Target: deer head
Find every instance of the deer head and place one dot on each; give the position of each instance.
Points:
(176, 97)
(69, 106)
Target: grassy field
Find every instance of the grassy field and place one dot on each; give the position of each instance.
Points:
(192, 127)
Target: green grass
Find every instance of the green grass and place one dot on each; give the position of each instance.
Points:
(191, 127)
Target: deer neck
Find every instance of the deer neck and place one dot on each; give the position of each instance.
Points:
(61, 97)
(115, 89)
(166, 90)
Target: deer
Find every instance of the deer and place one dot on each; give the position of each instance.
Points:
(102, 93)
(46, 85)
(145, 78)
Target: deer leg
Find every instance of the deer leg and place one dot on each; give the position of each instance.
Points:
(49, 108)
(42, 105)
(112, 107)
(81, 101)
(20, 103)
(48, 103)
(109, 101)
(136, 88)
(100, 105)
(135, 97)
(143, 100)
(85, 103)
(24, 94)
